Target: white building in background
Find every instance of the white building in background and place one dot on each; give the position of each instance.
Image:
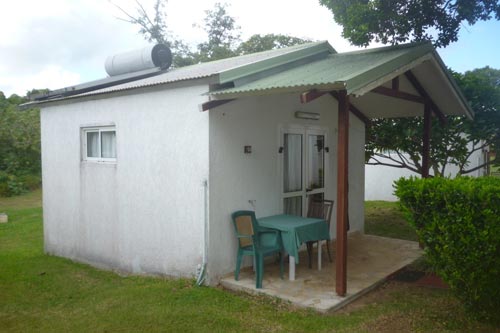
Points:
(379, 179)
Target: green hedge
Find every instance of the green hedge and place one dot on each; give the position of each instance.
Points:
(458, 221)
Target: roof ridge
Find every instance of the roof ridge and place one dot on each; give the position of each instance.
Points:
(250, 55)
(389, 47)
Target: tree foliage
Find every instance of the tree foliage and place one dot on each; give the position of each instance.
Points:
(259, 43)
(398, 21)
(223, 35)
(20, 163)
(398, 142)
(154, 29)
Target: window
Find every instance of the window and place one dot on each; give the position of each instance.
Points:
(99, 144)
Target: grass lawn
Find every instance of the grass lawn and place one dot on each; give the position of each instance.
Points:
(383, 218)
(48, 294)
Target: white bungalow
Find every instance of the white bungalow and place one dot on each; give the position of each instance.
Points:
(142, 175)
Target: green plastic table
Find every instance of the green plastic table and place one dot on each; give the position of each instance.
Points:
(296, 230)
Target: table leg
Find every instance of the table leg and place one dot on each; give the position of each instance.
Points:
(291, 269)
(319, 255)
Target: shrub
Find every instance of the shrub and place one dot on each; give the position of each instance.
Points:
(14, 185)
(458, 221)
(31, 182)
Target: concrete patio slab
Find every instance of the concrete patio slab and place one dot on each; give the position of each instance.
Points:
(370, 259)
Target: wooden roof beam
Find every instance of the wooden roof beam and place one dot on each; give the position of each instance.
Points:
(357, 112)
(399, 94)
(421, 90)
(214, 103)
(311, 95)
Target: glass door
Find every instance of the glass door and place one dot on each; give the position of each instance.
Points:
(293, 170)
(315, 150)
(303, 168)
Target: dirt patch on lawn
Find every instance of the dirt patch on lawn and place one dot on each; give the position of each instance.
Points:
(374, 297)
(413, 307)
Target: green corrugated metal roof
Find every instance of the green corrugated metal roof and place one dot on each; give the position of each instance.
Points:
(221, 71)
(350, 71)
(294, 69)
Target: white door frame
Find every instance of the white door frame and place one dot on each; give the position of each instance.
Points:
(305, 130)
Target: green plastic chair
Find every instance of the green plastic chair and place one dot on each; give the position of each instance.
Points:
(255, 241)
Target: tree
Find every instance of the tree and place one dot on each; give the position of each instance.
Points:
(259, 43)
(20, 161)
(398, 142)
(222, 32)
(223, 35)
(398, 21)
(481, 87)
(154, 29)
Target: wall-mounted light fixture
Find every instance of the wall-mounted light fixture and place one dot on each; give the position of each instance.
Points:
(306, 115)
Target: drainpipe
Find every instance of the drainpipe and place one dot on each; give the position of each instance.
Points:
(203, 267)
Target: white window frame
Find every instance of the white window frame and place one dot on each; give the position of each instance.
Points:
(98, 129)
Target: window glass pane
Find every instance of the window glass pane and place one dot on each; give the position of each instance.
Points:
(92, 144)
(292, 165)
(317, 197)
(316, 163)
(293, 206)
(108, 144)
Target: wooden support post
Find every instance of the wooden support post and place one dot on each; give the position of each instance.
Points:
(342, 193)
(426, 141)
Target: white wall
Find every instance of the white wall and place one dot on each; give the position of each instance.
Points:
(379, 179)
(145, 213)
(236, 178)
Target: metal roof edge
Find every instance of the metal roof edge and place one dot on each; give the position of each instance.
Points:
(358, 86)
(227, 94)
(454, 85)
(426, 45)
(263, 65)
(92, 94)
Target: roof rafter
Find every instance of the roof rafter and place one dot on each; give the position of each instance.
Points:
(357, 112)
(311, 95)
(381, 90)
(395, 83)
(214, 103)
(421, 90)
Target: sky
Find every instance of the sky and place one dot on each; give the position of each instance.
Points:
(57, 43)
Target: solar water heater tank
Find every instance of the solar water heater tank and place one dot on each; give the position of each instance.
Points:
(153, 56)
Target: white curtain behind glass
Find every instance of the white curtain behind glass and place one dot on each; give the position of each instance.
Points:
(293, 206)
(292, 165)
(316, 161)
(93, 144)
(108, 144)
